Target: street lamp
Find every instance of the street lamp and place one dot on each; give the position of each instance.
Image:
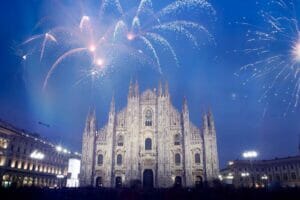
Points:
(245, 174)
(60, 177)
(230, 163)
(265, 178)
(230, 176)
(244, 179)
(250, 155)
(58, 148)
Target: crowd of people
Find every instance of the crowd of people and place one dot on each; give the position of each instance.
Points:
(216, 193)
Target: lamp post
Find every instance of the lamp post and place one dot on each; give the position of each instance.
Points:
(244, 175)
(264, 179)
(250, 155)
(60, 179)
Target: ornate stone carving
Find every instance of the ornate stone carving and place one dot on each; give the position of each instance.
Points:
(165, 123)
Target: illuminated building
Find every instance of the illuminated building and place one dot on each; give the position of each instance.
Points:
(28, 160)
(278, 171)
(149, 142)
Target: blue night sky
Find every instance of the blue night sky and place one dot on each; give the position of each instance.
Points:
(205, 76)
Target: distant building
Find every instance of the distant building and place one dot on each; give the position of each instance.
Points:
(28, 160)
(259, 173)
(149, 142)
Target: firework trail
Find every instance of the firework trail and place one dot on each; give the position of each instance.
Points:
(48, 37)
(152, 33)
(152, 49)
(125, 33)
(59, 60)
(164, 42)
(275, 44)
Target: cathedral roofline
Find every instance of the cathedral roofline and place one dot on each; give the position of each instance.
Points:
(151, 96)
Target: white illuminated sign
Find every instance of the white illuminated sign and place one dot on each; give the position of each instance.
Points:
(60, 176)
(37, 155)
(74, 170)
(74, 167)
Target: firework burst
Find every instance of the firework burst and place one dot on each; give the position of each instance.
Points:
(140, 34)
(275, 45)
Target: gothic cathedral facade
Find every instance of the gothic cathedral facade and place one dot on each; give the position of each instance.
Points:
(149, 142)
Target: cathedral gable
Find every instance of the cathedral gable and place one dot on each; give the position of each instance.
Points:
(174, 118)
(148, 97)
(121, 122)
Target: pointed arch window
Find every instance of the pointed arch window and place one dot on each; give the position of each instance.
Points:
(177, 159)
(119, 159)
(120, 140)
(100, 160)
(148, 144)
(177, 139)
(148, 118)
(197, 158)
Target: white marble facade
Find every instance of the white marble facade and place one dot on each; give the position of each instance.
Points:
(151, 142)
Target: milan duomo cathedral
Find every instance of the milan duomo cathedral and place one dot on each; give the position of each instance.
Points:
(149, 142)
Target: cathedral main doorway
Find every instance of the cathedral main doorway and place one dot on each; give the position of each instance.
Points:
(199, 181)
(178, 181)
(99, 181)
(148, 178)
(118, 182)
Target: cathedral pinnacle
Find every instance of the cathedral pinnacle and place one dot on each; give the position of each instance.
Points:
(136, 88)
(204, 121)
(185, 106)
(90, 120)
(112, 105)
(91, 114)
(160, 92)
(130, 93)
(166, 89)
(210, 119)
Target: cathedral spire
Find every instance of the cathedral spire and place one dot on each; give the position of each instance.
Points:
(88, 146)
(160, 92)
(111, 115)
(112, 105)
(87, 122)
(90, 124)
(130, 92)
(136, 88)
(204, 121)
(185, 106)
(211, 161)
(166, 88)
(210, 120)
